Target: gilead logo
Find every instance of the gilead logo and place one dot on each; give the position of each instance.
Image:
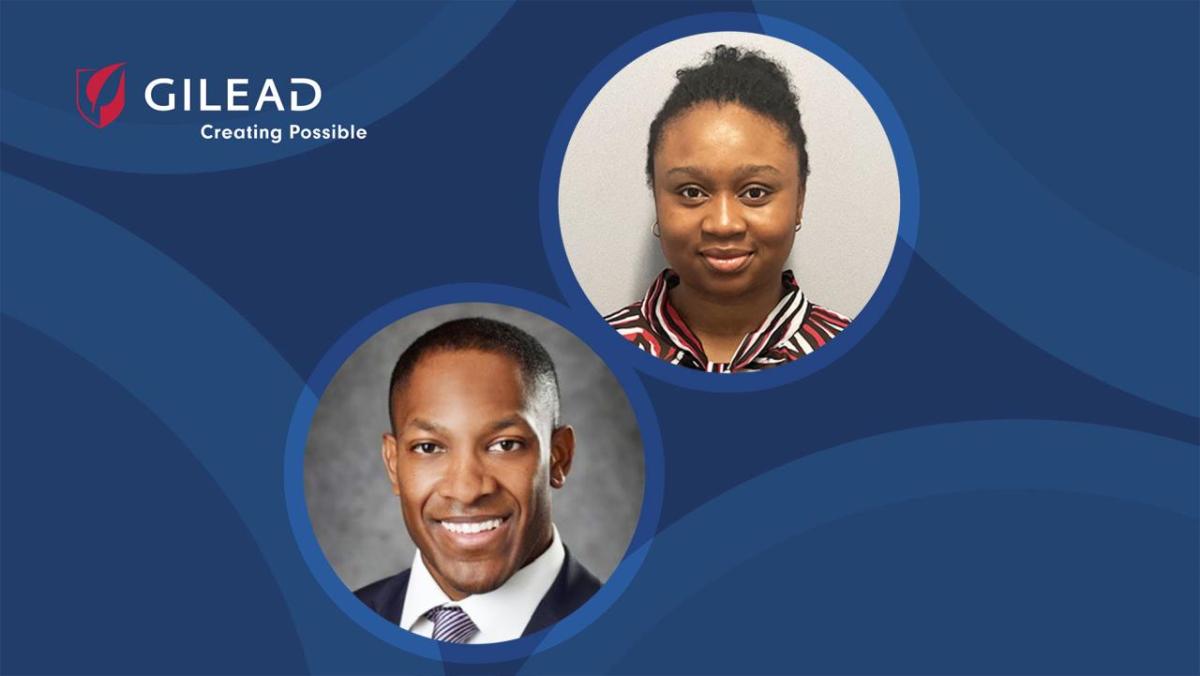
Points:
(302, 94)
(100, 97)
(90, 94)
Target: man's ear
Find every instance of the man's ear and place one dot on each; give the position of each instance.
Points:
(562, 452)
(390, 451)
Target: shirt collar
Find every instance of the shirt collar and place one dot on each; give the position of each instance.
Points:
(501, 614)
(776, 327)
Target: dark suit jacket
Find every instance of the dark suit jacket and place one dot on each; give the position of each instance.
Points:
(573, 586)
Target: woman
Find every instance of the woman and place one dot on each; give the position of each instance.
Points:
(727, 164)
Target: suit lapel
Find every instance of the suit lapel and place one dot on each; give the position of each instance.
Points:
(572, 587)
(391, 601)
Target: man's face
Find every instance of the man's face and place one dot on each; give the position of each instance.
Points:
(472, 458)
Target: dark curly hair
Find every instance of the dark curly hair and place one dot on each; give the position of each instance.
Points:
(484, 335)
(733, 75)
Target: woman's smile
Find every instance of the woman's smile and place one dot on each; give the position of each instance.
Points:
(726, 261)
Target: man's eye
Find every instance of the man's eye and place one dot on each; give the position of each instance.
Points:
(506, 446)
(691, 192)
(426, 448)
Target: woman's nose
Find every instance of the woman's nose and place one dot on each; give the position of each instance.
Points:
(724, 218)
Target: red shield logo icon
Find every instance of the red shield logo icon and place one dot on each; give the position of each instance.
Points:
(97, 103)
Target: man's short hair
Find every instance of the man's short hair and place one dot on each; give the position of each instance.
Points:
(485, 335)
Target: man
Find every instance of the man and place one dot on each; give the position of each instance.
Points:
(474, 450)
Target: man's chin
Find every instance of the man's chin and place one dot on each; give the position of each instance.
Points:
(471, 579)
(472, 588)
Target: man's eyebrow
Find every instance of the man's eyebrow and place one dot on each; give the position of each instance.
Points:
(504, 423)
(426, 426)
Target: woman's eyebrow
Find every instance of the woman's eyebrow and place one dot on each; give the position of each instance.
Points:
(689, 171)
(748, 169)
(740, 172)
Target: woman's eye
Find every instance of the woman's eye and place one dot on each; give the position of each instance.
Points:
(755, 193)
(426, 448)
(691, 192)
(505, 446)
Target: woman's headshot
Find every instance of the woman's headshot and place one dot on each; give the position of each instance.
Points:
(726, 162)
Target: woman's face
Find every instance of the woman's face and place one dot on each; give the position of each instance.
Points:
(728, 196)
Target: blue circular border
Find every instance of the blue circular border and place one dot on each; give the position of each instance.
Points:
(906, 167)
(293, 477)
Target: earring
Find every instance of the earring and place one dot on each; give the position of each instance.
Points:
(656, 230)
(556, 481)
(798, 224)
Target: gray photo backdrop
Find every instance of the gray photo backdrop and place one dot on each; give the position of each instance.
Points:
(357, 520)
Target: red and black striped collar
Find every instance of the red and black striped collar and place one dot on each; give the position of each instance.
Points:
(777, 327)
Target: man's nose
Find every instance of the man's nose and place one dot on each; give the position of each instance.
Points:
(724, 218)
(467, 477)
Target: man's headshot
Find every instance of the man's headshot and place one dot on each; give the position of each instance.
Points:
(475, 450)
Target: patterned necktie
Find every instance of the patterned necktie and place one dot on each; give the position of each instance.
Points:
(451, 624)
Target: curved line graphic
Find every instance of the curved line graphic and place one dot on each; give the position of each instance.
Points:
(1073, 259)
(1033, 176)
(171, 342)
(897, 467)
(203, 468)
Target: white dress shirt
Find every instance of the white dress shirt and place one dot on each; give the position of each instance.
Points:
(500, 614)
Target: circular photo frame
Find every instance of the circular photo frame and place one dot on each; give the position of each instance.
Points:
(353, 507)
(612, 227)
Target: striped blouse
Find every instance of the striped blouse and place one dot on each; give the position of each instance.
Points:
(793, 329)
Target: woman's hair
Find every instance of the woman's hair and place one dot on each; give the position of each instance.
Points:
(733, 75)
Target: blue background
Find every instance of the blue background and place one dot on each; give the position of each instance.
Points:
(1000, 477)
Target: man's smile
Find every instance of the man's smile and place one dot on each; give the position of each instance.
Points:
(472, 533)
